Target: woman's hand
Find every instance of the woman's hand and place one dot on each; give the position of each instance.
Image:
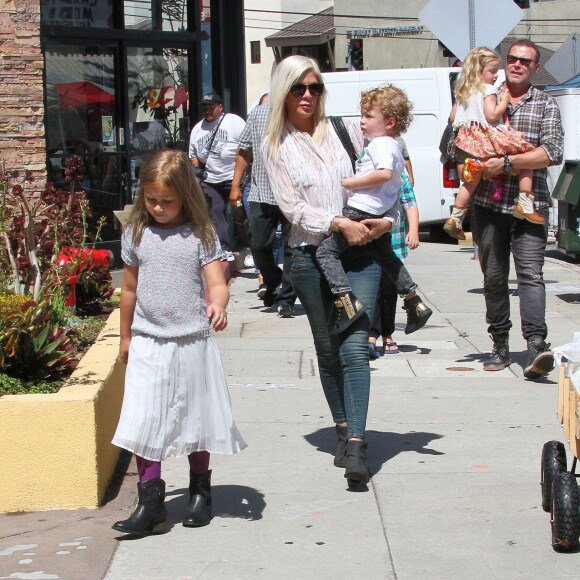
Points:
(355, 233)
(377, 227)
(124, 350)
(218, 317)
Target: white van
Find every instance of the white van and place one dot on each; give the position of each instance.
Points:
(429, 89)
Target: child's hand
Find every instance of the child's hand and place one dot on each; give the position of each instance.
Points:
(412, 240)
(218, 317)
(124, 350)
(348, 183)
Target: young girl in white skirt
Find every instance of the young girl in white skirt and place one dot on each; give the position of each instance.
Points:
(176, 398)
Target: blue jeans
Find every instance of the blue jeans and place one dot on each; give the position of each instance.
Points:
(497, 235)
(343, 360)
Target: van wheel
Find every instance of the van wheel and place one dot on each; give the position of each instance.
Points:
(565, 513)
(553, 463)
(436, 234)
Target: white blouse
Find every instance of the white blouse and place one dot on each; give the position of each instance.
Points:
(306, 180)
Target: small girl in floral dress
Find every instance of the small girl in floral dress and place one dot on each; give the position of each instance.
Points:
(482, 132)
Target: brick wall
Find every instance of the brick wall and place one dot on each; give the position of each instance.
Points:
(22, 141)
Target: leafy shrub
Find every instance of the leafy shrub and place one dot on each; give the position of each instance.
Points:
(84, 331)
(31, 345)
(10, 385)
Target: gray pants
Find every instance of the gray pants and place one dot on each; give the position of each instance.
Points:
(497, 235)
(329, 251)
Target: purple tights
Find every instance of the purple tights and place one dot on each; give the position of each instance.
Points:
(198, 465)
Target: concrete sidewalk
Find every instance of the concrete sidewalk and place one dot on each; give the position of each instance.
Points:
(454, 452)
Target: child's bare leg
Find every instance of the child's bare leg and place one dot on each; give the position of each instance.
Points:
(525, 179)
(454, 225)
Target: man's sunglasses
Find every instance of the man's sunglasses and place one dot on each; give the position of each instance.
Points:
(299, 89)
(512, 59)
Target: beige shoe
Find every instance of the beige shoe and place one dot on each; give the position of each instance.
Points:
(525, 210)
(454, 225)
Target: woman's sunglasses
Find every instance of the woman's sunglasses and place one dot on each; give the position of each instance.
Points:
(299, 89)
(512, 59)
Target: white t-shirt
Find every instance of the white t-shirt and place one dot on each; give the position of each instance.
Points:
(380, 153)
(220, 161)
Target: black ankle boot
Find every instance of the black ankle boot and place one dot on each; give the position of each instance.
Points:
(540, 358)
(356, 465)
(199, 510)
(499, 358)
(340, 456)
(348, 309)
(417, 314)
(150, 514)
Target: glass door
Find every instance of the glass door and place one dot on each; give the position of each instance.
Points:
(158, 97)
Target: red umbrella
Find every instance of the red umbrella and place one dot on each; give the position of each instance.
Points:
(82, 93)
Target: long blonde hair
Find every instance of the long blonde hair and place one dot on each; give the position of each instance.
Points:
(470, 80)
(172, 169)
(285, 75)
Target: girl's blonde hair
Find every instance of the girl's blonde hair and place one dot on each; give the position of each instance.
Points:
(392, 101)
(470, 80)
(172, 169)
(288, 72)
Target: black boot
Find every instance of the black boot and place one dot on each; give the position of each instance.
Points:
(349, 308)
(356, 465)
(150, 514)
(340, 456)
(499, 358)
(199, 510)
(417, 314)
(540, 358)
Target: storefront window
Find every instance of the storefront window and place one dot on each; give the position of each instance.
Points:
(167, 15)
(81, 120)
(158, 102)
(206, 70)
(79, 14)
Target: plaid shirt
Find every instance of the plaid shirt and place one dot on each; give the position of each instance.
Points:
(398, 235)
(250, 140)
(537, 116)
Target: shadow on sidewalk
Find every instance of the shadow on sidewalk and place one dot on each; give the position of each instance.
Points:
(383, 446)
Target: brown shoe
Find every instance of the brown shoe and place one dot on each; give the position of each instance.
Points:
(525, 210)
(451, 228)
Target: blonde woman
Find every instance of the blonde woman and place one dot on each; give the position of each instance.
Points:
(305, 162)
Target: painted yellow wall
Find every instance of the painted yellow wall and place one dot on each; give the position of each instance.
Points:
(55, 450)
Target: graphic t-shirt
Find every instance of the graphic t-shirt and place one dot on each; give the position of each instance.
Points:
(220, 161)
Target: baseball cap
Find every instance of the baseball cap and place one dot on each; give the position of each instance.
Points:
(211, 99)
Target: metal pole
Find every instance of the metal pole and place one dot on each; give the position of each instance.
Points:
(471, 24)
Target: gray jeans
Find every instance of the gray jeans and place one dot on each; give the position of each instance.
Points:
(497, 235)
(328, 257)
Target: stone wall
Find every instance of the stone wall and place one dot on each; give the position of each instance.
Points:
(22, 141)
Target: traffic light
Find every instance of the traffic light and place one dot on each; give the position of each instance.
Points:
(355, 51)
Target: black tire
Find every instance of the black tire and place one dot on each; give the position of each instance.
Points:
(553, 463)
(565, 513)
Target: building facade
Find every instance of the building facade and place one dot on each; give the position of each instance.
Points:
(111, 81)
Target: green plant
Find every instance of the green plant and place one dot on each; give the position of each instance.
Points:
(10, 385)
(31, 345)
(92, 289)
(84, 331)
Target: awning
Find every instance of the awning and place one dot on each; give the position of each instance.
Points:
(314, 30)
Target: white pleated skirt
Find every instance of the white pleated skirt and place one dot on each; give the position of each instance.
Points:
(176, 400)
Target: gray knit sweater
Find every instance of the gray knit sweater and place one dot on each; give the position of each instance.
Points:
(170, 293)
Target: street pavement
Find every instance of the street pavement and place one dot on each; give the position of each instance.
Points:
(454, 454)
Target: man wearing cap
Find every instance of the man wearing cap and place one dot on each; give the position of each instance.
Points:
(213, 145)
